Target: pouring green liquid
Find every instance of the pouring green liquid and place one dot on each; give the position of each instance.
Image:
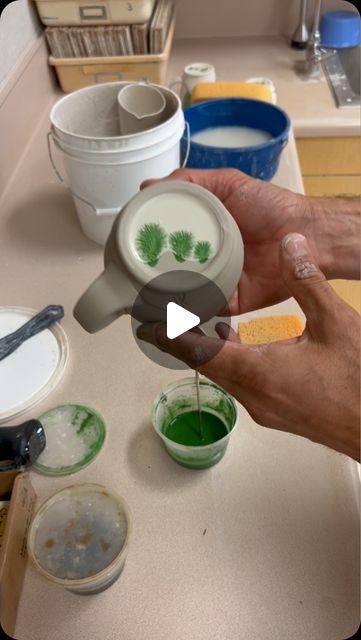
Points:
(194, 424)
(184, 429)
(195, 428)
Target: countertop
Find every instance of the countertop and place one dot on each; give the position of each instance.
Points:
(308, 101)
(263, 545)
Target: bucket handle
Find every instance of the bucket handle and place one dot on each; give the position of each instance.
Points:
(99, 212)
(188, 132)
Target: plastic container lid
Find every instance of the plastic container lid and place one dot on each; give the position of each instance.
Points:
(31, 372)
(74, 436)
(340, 29)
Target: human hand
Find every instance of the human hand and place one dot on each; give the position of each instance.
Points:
(264, 214)
(308, 386)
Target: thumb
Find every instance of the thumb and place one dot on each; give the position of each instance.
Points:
(308, 284)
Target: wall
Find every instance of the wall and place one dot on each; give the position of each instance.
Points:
(19, 28)
(208, 18)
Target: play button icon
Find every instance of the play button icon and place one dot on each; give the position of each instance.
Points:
(179, 300)
(179, 320)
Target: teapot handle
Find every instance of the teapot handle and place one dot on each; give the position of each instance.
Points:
(108, 297)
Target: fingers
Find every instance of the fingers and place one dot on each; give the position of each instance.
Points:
(232, 307)
(188, 175)
(192, 347)
(226, 332)
(218, 181)
(210, 356)
(308, 284)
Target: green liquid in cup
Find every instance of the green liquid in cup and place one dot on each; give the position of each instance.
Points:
(185, 429)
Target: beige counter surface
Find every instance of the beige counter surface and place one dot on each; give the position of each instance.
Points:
(309, 102)
(263, 545)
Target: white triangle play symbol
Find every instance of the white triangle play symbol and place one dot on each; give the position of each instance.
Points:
(179, 320)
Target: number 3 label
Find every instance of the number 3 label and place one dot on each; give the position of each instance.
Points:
(130, 6)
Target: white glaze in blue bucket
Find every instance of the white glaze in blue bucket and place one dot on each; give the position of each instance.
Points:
(259, 161)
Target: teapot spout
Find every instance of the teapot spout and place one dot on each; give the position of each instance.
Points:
(107, 298)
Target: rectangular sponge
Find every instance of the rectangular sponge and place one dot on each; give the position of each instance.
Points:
(270, 329)
(212, 90)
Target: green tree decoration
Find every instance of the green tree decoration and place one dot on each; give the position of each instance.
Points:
(202, 251)
(181, 243)
(150, 242)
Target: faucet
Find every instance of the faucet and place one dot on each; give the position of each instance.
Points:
(301, 35)
(314, 53)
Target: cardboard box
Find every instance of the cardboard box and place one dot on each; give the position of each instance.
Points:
(16, 486)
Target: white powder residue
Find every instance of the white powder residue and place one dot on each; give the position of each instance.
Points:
(64, 445)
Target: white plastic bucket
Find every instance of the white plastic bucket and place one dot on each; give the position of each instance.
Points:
(105, 169)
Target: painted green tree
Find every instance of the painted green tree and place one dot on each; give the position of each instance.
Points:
(150, 242)
(202, 251)
(181, 243)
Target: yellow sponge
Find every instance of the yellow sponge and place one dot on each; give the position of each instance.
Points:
(211, 90)
(270, 329)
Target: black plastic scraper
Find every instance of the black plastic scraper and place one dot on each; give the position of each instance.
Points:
(39, 322)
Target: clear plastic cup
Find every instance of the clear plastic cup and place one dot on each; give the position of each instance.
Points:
(78, 538)
(181, 397)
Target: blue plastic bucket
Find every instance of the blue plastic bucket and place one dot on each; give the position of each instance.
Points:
(260, 161)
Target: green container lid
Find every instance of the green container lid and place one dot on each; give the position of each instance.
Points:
(74, 436)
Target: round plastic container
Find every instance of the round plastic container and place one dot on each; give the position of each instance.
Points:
(340, 29)
(74, 436)
(181, 397)
(78, 538)
(104, 169)
(260, 161)
(32, 372)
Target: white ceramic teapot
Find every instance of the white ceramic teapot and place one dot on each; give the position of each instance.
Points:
(173, 241)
